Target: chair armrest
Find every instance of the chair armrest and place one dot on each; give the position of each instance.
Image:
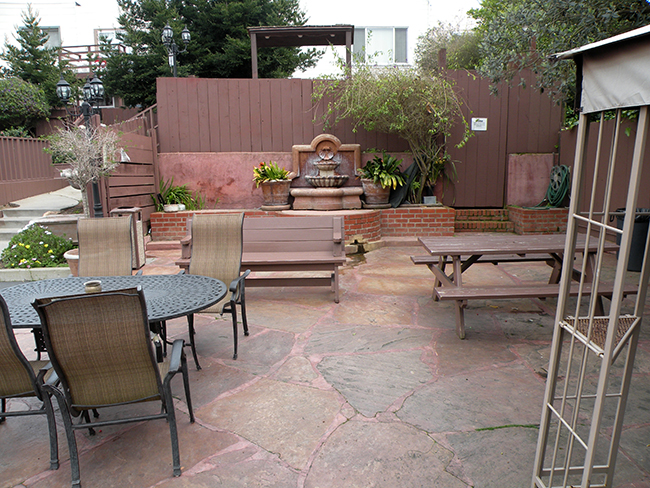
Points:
(186, 247)
(175, 356)
(237, 285)
(234, 284)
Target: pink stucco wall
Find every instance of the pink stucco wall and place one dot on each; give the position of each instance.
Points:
(226, 179)
(528, 178)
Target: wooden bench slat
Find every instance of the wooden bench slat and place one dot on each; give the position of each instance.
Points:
(531, 291)
(486, 258)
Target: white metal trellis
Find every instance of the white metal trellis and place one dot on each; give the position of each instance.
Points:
(594, 342)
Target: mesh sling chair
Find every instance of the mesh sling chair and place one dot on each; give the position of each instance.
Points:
(22, 378)
(101, 350)
(217, 242)
(105, 246)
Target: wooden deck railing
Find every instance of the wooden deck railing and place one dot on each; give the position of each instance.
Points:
(25, 169)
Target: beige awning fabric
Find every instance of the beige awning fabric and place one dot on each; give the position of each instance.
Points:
(301, 35)
(614, 72)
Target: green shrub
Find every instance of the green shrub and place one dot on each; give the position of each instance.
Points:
(36, 247)
(20, 103)
(15, 132)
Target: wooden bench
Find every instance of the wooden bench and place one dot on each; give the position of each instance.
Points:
(308, 245)
(460, 294)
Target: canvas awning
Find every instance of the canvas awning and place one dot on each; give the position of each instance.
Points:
(613, 73)
(301, 35)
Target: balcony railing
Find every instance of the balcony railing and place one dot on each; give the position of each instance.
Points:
(85, 59)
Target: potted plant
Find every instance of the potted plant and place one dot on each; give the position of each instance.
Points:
(378, 176)
(275, 183)
(174, 198)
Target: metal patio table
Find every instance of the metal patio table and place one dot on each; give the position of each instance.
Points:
(167, 296)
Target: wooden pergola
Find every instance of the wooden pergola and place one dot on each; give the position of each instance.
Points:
(303, 35)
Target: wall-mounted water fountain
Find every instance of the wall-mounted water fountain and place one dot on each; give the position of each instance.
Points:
(324, 168)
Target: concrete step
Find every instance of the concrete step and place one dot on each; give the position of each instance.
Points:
(14, 212)
(14, 223)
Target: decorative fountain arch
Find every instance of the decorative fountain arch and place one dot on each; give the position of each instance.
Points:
(324, 168)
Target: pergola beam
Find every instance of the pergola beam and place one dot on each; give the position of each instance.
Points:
(303, 35)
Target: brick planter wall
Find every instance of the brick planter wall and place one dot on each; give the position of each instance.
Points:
(414, 221)
(538, 221)
(368, 225)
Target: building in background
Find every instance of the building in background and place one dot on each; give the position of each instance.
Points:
(388, 33)
(68, 22)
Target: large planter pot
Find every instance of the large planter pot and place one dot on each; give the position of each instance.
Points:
(276, 194)
(376, 195)
(72, 257)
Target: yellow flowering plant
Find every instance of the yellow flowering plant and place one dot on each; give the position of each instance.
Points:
(269, 172)
(36, 247)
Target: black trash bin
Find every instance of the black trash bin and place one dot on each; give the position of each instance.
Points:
(639, 236)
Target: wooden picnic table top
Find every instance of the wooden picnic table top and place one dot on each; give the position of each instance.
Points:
(472, 244)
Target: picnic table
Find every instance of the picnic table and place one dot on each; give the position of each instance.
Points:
(463, 251)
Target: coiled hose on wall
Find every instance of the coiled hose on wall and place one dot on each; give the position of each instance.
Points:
(558, 188)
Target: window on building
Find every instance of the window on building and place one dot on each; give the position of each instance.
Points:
(109, 35)
(381, 45)
(53, 36)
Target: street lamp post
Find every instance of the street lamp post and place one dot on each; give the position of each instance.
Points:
(172, 47)
(93, 93)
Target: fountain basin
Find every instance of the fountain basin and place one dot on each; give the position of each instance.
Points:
(332, 181)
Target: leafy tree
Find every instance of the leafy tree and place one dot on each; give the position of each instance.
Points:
(461, 46)
(21, 103)
(32, 61)
(518, 34)
(421, 108)
(220, 45)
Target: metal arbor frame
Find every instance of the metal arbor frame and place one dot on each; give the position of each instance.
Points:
(593, 349)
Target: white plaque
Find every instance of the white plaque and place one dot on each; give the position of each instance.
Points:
(479, 124)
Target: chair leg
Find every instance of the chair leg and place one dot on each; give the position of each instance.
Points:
(173, 433)
(186, 385)
(85, 416)
(51, 425)
(243, 313)
(190, 325)
(69, 432)
(233, 311)
(3, 408)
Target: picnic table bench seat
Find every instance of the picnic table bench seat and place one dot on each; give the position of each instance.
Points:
(486, 258)
(527, 291)
(300, 249)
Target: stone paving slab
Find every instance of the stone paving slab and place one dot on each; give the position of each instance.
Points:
(378, 454)
(376, 391)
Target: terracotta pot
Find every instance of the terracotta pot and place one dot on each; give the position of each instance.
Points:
(375, 194)
(72, 257)
(276, 192)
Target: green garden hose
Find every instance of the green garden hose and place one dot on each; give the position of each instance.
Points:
(558, 188)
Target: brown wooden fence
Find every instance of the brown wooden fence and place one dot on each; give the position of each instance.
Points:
(25, 170)
(272, 115)
(623, 166)
(134, 181)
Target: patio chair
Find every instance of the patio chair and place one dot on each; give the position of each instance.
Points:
(105, 246)
(22, 378)
(217, 243)
(100, 348)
